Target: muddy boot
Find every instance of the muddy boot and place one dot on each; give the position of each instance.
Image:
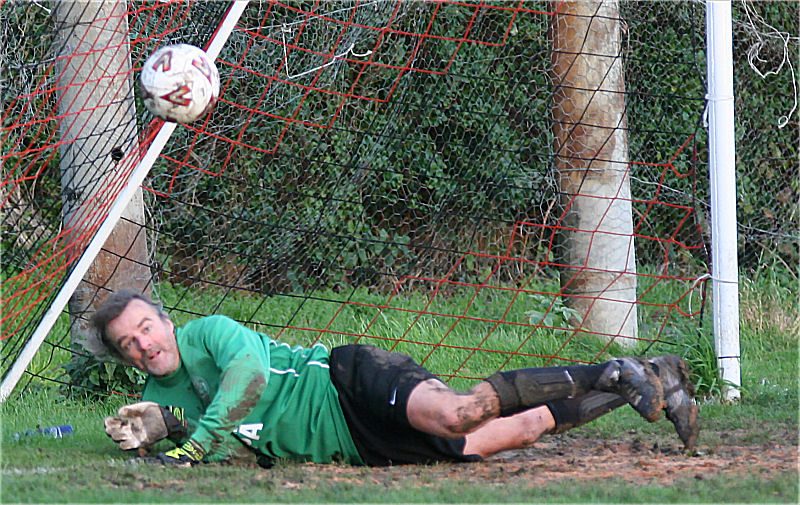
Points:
(678, 395)
(636, 382)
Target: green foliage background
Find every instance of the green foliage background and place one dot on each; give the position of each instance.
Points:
(477, 143)
(434, 158)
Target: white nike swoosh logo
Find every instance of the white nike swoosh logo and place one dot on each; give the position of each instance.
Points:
(394, 397)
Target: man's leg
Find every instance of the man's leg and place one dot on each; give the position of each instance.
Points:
(525, 428)
(507, 433)
(439, 410)
(436, 409)
(631, 378)
(573, 412)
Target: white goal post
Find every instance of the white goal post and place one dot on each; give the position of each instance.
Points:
(137, 177)
(722, 173)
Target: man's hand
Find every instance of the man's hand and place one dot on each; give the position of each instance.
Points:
(142, 424)
(185, 455)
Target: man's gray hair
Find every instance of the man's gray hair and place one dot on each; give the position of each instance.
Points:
(97, 342)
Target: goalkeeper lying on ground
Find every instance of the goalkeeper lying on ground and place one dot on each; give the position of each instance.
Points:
(217, 388)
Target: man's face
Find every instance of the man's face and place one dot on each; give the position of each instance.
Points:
(145, 339)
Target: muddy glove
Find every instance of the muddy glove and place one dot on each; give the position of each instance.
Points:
(186, 455)
(143, 424)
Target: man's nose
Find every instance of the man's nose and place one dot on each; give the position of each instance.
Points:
(144, 342)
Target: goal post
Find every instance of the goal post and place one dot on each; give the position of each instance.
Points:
(132, 188)
(722, 172)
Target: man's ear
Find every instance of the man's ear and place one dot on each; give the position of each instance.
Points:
(169, 323)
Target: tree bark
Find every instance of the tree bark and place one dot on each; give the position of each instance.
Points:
(591, 164)
(98, 134)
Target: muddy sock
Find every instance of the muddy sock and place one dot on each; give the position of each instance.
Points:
(522, 389)
(573, 412)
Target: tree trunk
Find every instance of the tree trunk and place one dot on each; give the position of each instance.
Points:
(591, 164)
(98, 131)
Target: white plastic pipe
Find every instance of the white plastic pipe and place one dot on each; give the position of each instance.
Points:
(99, 239)
(722, 165)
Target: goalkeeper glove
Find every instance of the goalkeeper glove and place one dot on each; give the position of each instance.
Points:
(143, 424)
(186, 455)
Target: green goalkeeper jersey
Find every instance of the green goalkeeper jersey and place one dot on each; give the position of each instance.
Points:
(236, 382)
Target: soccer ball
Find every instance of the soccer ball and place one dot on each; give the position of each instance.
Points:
(179, 83)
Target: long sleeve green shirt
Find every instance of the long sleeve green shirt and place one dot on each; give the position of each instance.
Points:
(236, 382)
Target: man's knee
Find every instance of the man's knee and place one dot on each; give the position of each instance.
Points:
(437, 409)
(455, 421)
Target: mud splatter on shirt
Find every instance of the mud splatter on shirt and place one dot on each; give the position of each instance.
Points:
(240, 386)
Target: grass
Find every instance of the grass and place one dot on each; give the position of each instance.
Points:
(108, 482)
(87, 467)
(414, 324)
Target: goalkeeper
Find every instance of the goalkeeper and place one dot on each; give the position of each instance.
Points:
(216, 388)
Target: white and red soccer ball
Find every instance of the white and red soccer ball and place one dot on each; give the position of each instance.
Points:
(179, 83)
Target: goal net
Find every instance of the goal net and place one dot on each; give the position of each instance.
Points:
(478, 184)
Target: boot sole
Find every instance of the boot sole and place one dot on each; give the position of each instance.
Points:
(689, 435)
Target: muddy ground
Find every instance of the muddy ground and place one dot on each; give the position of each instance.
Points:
(577, 457)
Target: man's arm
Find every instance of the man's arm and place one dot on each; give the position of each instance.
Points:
(242, 362)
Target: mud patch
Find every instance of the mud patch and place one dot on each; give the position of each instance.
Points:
(574, 457)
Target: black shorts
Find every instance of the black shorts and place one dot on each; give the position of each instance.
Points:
(374, 386)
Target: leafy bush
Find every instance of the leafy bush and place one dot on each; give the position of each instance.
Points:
(96, 378)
